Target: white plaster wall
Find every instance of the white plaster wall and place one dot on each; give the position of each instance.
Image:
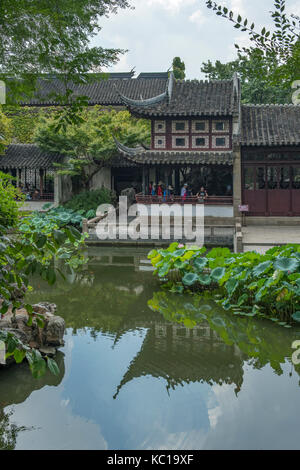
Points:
(206, 211)
(218, 211)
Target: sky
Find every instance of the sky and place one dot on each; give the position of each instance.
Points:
(156, 31)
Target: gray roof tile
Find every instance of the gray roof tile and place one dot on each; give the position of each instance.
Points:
(103, 92)
(194, 98)
(27, 156)
(140, 155)
(270, 125)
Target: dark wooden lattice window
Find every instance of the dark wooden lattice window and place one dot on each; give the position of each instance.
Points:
(220, 126)
(220, 142)
(180, 142)
(200, 126)
(200, 142)
(180, 126)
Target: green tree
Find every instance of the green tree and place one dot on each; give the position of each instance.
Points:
(24, 120)
(89, 145)
(6, 131)
(178, 68)
(42, 37)
(256, 89)
(279, 49)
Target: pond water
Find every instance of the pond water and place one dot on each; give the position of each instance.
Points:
(144, 369)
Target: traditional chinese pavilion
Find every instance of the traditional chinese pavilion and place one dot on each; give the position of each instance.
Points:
(244, 155)
(201, 131)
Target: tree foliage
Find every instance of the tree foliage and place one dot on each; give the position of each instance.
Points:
(23, 121)
(51, 37)
(89, 145)
(178, 68)
(10, 200)
(86, 203)
(6, 131)
(256, 88)
(33, 250)
(279, 49)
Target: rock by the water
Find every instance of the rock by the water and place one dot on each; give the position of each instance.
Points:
(45, 339)
(130, 194)
(44, 307)
(48, 351)
(53, 332)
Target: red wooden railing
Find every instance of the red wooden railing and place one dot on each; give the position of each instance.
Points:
(210, 200)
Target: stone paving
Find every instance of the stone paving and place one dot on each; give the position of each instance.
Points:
(34, 205)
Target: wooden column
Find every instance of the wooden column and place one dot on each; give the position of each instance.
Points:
(147, 179)
(237, 181)
(41, 182)
(144, 180)
(166, 174)
(177, 182)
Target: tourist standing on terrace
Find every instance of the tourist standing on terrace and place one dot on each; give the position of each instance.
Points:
(184, 192)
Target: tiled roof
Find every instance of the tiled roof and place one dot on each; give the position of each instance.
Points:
(270, 125)
(148, 75)
(194, 98)
(122, 75)
(153, 157)
(27, 156)
(103, 92)
(120, 162)
(187, 98)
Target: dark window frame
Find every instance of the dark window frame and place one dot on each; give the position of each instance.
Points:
(223, 140)
(202, 123)
(181, 139)
(182, 126)
(218, 124)
(202, 140)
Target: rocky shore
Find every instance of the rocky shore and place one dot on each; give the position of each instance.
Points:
(45, 339)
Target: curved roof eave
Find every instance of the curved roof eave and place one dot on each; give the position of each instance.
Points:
(127, 151)
(150, 101)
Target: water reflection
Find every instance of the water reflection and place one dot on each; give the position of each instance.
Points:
(258, 342)
(147, 369)
(8, 431)
(17, 384)
(187, 338)
(181, 356)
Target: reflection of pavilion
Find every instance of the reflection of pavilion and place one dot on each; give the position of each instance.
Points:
(182, 355)
(133, 258)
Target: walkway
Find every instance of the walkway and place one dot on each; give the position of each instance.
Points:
(34, 205)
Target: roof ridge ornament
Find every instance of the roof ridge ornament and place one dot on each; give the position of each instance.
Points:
(170, 86)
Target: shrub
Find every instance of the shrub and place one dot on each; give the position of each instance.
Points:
(87, 202)
(9, 201)
(57, 217)
(249, 284)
